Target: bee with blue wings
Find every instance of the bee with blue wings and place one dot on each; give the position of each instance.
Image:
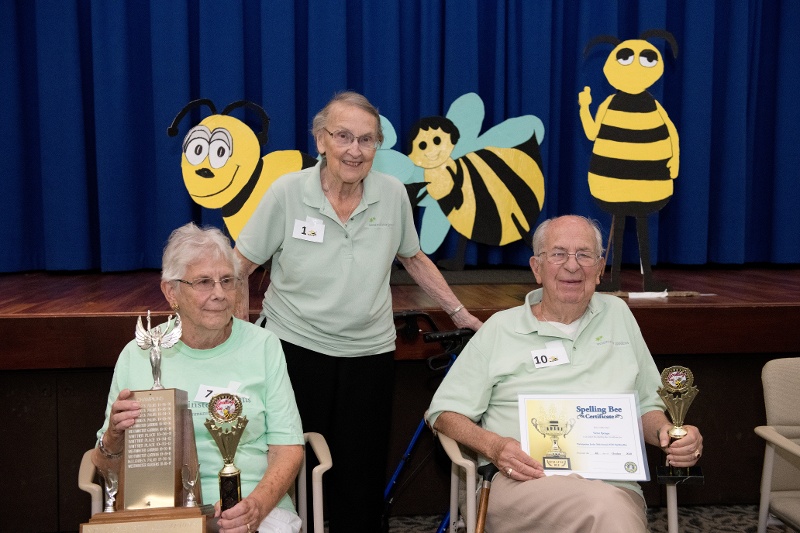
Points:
(489, 188)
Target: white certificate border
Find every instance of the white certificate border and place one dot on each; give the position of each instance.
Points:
(642, 474)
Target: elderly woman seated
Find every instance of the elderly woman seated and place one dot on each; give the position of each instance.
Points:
(199, 279)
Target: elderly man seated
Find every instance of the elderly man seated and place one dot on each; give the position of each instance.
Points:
(477, 403)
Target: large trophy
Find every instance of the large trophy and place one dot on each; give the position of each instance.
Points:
(678, 392)
(158, 475)
(226, 426)
(555, 459)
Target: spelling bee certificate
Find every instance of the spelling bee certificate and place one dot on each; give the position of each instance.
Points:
(598, 436)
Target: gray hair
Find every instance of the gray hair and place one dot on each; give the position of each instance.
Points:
(189, 243)
(539, 234)
(350, 98)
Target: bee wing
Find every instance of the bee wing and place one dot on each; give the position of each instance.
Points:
(142, 337)
(434, 227)
(467, 112)
(513, 132)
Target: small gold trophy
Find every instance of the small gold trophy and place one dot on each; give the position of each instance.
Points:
(226, 426)
(555, 459)
(678, 392)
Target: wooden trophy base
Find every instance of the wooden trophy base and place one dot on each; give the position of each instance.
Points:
(166, 520)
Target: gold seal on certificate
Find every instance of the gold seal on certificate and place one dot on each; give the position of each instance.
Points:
(554, 428)
(226, 426)
(678, 392)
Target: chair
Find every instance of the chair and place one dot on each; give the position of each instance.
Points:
(463, 461)
(780, 477)
(86, 477)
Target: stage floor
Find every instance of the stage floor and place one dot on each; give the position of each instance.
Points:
(80, 309)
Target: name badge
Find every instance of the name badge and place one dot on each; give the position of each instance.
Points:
(205, 392)
(310, 229)
(553, 354)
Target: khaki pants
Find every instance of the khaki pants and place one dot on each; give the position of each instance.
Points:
(563, 504)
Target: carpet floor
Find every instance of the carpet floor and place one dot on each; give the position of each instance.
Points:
(700, 519)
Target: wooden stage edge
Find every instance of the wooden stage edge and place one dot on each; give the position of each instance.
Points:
(66, 320)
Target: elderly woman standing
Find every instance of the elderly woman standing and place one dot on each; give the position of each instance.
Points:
(199, 280)
(332, 232)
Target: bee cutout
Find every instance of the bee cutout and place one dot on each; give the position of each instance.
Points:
(489, 188)
(635, 155)
(222, 165)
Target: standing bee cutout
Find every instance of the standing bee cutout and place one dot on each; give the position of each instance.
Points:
(489, 188)
(635, 155)
(222, 165)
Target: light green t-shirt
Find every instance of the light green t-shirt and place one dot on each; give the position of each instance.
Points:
(329, 292)
(251, 364)
(607, 355)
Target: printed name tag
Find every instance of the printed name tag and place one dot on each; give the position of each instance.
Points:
(310, 229)
(205, 392)
(553, 354)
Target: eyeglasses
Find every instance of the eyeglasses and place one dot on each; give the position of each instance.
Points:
(207, 284)
(345, 138)
(584, 259)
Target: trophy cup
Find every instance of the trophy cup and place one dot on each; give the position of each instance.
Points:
(226, 426)
(678, 392)
(555, 459)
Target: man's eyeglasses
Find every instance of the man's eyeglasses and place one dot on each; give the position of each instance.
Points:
(584, 259)
(207, 284)
(345, 138)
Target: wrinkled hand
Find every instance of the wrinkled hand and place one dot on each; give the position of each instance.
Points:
(585, 97)
(508, 454)
(124, 412)
(465, 319)
(243, 517)
(684, 452)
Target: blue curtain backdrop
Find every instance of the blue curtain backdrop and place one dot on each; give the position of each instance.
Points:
(88, 88)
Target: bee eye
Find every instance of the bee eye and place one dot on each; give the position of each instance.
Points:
(219, 154)
(648, 58)
(423, 145)
(625, 56)
(437, 140)
(196, 151)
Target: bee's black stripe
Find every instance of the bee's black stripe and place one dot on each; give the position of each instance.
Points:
(633, 103)
(627, 135)
(233, 207)
(629, 170)
(519, 189)
(487, 228)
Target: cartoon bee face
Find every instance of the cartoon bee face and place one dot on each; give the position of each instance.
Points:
(219, 156)
(633, 66)
(431, 148)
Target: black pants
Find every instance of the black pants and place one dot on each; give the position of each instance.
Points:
(349, 401)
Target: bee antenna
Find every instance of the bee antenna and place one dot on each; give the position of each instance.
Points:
(600, 39)
(664, 34)
(172, 131)
(262, 135)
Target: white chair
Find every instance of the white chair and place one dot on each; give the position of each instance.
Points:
(86, 482)
(463, 461)
(780, 477)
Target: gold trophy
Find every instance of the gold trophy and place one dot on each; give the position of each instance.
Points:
(678, 392)
(151, 486)
(226, 426)
(555, 459)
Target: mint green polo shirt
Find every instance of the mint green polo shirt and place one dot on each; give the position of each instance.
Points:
(607, 355)
(332, 296)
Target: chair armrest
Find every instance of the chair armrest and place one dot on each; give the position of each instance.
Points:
(323, 454)
(454, 453)
(320, 447)
(771, 435)
(86, 474)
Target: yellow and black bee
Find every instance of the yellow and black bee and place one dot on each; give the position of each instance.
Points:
(491, 195)
(635, 155)
(221, 163)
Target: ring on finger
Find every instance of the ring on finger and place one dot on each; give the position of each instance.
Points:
(509, 471)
